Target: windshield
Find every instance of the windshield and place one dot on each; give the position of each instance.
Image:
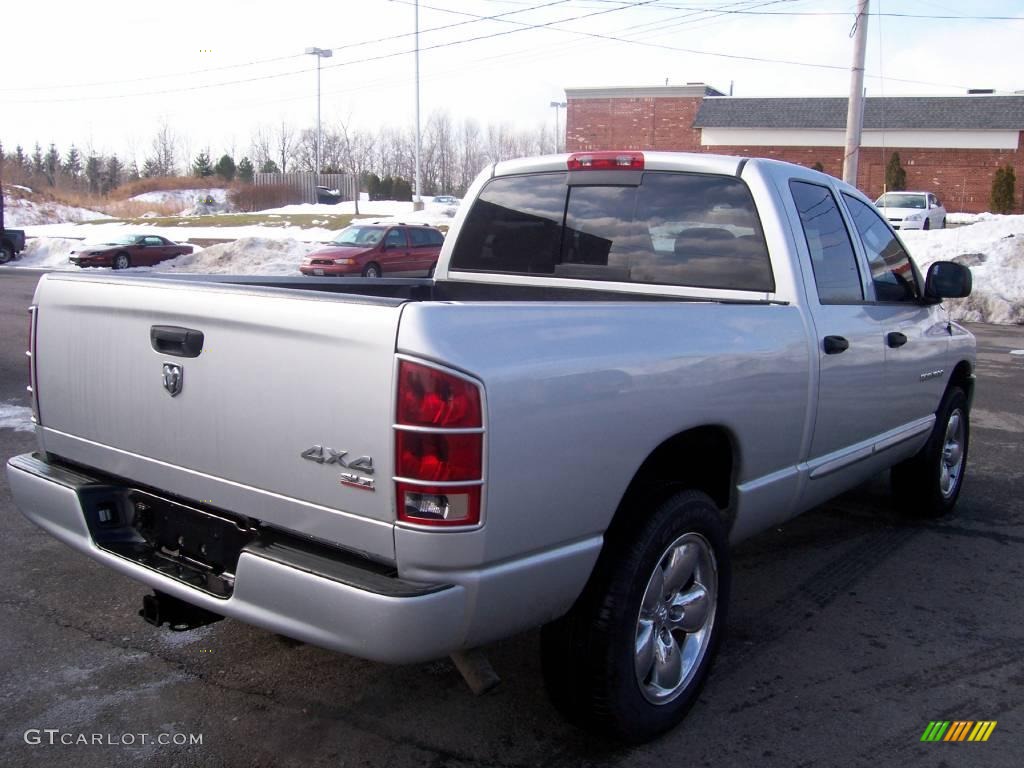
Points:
(359, 236)
(893, 200)
(123, 240)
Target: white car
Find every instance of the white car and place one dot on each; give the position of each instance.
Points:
(912, 210)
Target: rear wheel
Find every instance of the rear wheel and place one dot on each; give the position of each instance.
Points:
(121, 261)
(6, 253)
(631, 656)
(371, 270)
(928, 484)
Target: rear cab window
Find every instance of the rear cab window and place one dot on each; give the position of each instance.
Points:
(671, 228)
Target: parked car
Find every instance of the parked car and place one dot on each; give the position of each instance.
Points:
(374, 250)
(627, 362)
(129, 251)
(325, 196)
(446, 200)
(912, 210)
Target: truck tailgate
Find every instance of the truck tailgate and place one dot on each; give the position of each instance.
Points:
(279, 373)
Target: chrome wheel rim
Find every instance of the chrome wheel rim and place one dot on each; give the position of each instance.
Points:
(951, 462)
(677, 614)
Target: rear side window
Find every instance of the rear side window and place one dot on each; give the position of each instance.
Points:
(673, 229)
(832, 257)
(418, 236)
(892, 272)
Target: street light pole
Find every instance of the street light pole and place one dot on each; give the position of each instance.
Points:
(418, 202)
(855, 105)
(320, 53)
(557, 105)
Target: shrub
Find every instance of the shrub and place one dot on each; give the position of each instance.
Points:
(402, 191)
(895, 175)
(1003, 187)
(818, 167)
(373, 186)
(387, 188)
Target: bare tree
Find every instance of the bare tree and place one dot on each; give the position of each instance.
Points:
(162, 159)
(261, 145)
(285, 144)
(357, 153)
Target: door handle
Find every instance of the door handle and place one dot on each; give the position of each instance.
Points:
(177, 341)
(835, 344)
(896, 339)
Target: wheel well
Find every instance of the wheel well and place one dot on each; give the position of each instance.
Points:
(702, 459)
(963, 377)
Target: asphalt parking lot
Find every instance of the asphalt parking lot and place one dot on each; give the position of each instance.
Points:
(850, 630)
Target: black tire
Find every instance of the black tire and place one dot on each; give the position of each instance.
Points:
(927, 223)
(925, 485)
(943, 222)
(6, 253)
(590, 658)
(122, 261)
(371, 270)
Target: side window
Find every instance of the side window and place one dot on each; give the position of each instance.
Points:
(418, 237)
(395, 239)
(832, 257)
(153, 241)
(435, 237)
(892, 272)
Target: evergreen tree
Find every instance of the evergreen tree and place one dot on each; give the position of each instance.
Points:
(403, 191)
(94, 173)
(372, 186)
(387, 188)
(22, 159)
(246, 171)
(818, 167)
(895, 175)
(150, 168)
(1003, 188)
(112, 176)
(201, 166)
(51, 164)
(73, 164)
(225, 167)
(269, 166)
(37, 161)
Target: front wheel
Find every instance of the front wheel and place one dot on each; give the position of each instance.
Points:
(372, 270)
(631, 656)
(927, 224)
(929, 483)
(6, 253)
(121, 261)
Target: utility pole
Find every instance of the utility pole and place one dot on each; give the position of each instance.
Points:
(855, 108)
(417, 204)
(557, 105)
(320, 53)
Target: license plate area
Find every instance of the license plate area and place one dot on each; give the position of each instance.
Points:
(195, 546)
(318, 272)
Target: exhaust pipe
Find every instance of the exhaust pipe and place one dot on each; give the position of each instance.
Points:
(160, 608)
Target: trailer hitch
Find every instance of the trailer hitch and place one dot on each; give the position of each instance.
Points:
(160, 608)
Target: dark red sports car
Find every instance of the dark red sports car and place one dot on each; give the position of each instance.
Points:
(129, 251)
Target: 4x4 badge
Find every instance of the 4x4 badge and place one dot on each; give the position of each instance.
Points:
(322, 455)
(174, 378)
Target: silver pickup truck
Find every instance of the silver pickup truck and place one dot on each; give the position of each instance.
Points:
(625, 362)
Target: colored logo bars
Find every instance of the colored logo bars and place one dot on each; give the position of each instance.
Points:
(958, 730)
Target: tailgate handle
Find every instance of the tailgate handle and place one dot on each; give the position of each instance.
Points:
(173, 340)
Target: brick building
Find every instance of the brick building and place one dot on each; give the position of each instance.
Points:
(950, 145)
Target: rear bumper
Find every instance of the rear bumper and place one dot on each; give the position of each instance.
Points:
(362, 614)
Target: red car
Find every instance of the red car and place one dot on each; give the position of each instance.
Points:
(373, 250)
(129, 251)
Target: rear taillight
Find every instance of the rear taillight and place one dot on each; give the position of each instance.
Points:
(439, 447)
(606, 161)
(30, 354)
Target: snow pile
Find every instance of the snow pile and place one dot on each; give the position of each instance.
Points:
(48, 253)
(21, 212)
(182, 233)
(247, 256)
(378, 210)
(184, 198)
(16, 417)
(971, 218)
(994, 250)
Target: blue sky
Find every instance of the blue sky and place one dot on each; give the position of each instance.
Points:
(105, 74)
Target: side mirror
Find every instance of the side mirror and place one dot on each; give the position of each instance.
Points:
(948, 280)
